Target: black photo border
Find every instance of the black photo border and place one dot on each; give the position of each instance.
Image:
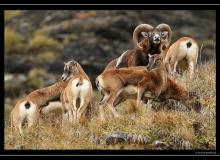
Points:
(108, 152)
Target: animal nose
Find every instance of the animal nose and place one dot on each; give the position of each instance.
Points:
(157, 38)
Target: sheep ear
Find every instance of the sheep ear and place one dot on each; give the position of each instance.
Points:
(64, 63)
(145, 34)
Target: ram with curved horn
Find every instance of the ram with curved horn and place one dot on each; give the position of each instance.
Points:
(154, 40)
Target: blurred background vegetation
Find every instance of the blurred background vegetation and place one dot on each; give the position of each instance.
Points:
(37, 42)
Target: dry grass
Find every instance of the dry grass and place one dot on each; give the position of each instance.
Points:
(169, 123)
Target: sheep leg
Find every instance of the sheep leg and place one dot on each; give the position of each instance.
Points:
(191, 69)
(111, 100)
(143, 86)
(119, 100)
(105, 98)
(168, 68)
(32, 118)
(82, 109)
(17, 124)
(20, 127)
(102, 103)
(68, 115)
(149, 104)
(74, 109)
(64, 110)
(64, 117)
(140, 93)
(101, 112)
(174, 67)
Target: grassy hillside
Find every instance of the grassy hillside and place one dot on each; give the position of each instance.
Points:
(168, 125)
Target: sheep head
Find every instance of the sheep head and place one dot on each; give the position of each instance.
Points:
(159, 35)
(70, 70)
(155, 61)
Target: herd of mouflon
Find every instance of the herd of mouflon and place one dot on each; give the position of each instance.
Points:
(144, 73)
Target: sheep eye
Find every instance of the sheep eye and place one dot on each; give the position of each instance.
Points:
(144, 34)
(163, 34)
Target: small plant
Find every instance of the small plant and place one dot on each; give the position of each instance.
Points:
(41, 42)
(14, 42)
(48, 56)
(34, 77)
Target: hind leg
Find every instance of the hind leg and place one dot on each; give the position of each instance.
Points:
(140, 93)
(74, 109)
(110, 102)
(102, 103)
(191, 69)
(32, 117)
(172, 66)
(64, 113)
(168, 68)
(121, 98)
(149, 104)
(68, 115)
(142, 87)
(17, 125)
(64, 109)
(82, 109)
(191, 65)
(18, 120)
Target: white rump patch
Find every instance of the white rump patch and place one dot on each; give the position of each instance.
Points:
(24, 113)
(80, 90)
(192, 50)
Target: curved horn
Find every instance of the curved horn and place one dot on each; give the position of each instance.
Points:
(165, 27)
(140, 28)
